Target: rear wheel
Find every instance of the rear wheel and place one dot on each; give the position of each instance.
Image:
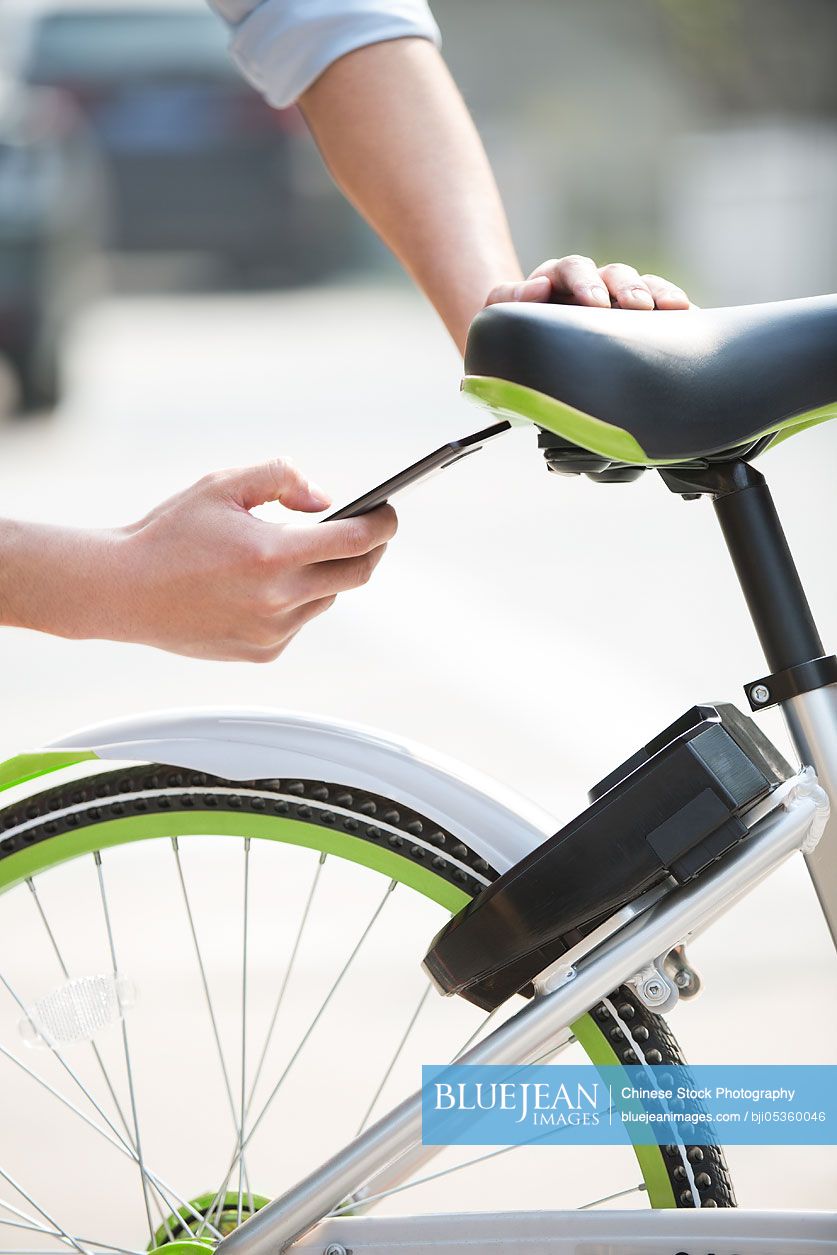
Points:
(219, 983)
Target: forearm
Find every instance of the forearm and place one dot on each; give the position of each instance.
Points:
(199, 574)
(400, 143)
(51, 579)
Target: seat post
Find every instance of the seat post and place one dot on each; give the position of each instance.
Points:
(766, 571)
(763, 561)
(803, 682)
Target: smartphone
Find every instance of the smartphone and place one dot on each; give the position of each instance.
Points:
(441, 458)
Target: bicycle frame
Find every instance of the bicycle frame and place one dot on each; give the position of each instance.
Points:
(812, 723)
(796, 817)
(723, 1232)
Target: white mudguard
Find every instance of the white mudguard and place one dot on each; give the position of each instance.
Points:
(261, 744)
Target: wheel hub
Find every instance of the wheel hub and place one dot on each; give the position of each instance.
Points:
(174, 1238)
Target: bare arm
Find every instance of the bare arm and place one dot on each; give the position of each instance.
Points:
(199, 575)
(400, 143)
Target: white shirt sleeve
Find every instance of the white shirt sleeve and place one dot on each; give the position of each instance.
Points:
(282, 46)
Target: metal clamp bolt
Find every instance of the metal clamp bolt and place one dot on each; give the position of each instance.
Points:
(760, 694)
(654, 988)
(655, 991)
(334, 1248)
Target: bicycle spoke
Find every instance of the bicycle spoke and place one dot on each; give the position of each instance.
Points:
(323, 1006)
(65, 1065)
(385, 1173)
(65, 973)
(432, 1176)
(419, 1150)
(554, 1049)
(303, 1040)
(118, 1144)
(609, 1198)
(482, 1025)
(286, 978)
(23, 1215)
(30, 1200)
(398, 1051)
(205, 985)
(457, 1167)
(94, 1048)
(53, 1233)
(171, 1199)
(126, 1048)
(246, 922)
(217, 1205)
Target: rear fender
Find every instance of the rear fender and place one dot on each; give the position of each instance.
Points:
(261, 744)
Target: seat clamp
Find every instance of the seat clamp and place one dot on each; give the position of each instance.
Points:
(817, 673)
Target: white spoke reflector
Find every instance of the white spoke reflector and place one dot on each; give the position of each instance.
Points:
(77, 1010)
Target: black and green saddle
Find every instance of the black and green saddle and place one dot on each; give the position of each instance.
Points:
(658, 389)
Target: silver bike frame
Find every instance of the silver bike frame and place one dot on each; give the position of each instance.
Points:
(725, 1231)
(795, 818)
(812, 722)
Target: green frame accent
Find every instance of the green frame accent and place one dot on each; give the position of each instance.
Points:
(25, 767)
(514, 401)
(16, 868)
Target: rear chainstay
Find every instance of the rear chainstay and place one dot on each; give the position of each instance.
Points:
(634, 1034)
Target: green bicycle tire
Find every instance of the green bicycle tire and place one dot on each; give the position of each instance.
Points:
(137, 803)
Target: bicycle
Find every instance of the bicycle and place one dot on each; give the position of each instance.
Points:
(559, 947)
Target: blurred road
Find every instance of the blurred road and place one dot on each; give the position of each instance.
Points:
(540, 628)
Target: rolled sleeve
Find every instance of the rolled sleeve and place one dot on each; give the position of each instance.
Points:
(282, 46)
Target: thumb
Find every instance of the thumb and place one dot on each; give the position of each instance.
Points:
(276, 480)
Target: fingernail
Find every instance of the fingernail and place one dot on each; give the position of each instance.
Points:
(642, 297)
(598, 293)
(676, 294)
(532, 288)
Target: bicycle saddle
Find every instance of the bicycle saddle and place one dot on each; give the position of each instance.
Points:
(662, 388)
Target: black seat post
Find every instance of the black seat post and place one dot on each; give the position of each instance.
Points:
(766, 571)
(761, 556)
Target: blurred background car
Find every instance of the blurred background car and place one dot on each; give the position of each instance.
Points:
(126, 132)
(196, 161)
(202, 185)
(52, 223)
